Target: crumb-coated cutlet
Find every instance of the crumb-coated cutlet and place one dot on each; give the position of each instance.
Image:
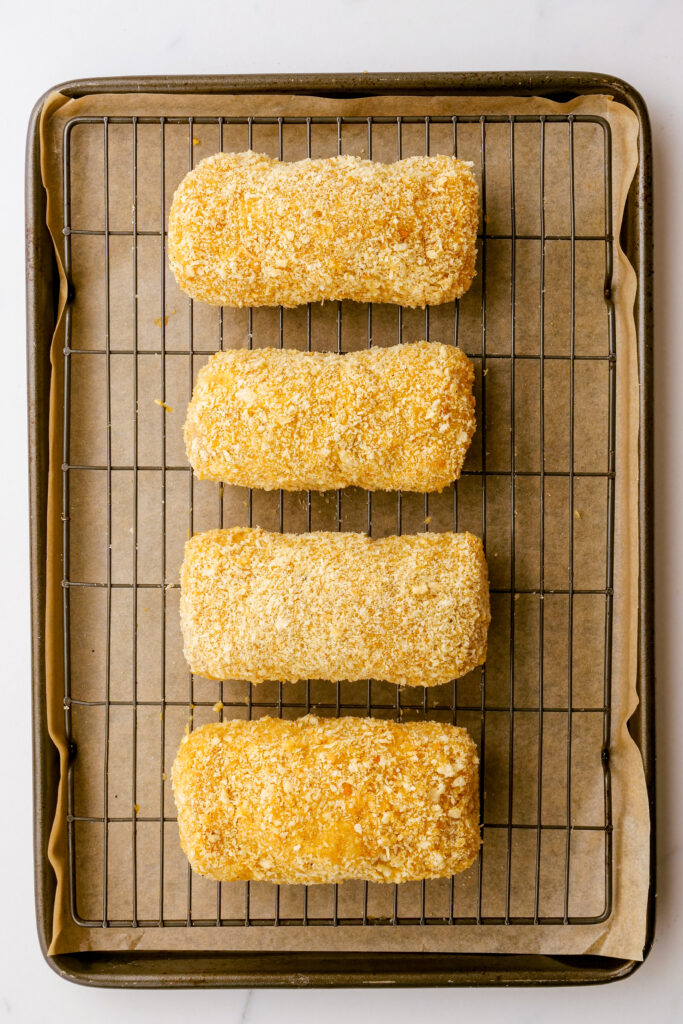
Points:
(325, 800)
(397, 418)
(411, 610)
(247, 230)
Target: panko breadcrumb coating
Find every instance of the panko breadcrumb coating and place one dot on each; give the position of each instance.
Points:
(382, 419)
(411, 610)
(325, 800)
(246, 230)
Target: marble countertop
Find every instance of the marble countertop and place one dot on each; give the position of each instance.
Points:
(47, 43)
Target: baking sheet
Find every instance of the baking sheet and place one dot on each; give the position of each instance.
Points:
(623, 933)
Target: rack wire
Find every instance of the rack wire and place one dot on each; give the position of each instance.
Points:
(135, 852)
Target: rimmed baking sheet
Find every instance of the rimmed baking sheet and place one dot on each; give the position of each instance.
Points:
(493, 321)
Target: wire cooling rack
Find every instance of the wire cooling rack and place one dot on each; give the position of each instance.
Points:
(539, 478)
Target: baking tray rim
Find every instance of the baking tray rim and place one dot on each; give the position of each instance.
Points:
(306, 969)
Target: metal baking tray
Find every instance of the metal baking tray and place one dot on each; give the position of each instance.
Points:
(307, 968)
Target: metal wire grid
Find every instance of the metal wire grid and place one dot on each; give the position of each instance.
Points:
(482, 708)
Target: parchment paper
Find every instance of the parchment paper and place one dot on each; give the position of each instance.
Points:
(166, 702)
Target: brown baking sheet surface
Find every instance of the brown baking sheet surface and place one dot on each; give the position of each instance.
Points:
(581, 788)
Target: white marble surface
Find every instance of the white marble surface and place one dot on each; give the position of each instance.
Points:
(47, 42)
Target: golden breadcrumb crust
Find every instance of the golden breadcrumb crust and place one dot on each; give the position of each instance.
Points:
(245, 230)
(411, 610)
(324, 800)
(382, 419)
